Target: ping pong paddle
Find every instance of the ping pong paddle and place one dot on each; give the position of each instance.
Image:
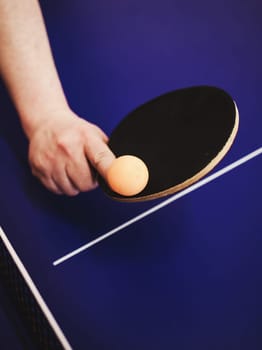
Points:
(181, 136)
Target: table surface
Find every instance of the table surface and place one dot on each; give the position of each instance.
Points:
(187, 276)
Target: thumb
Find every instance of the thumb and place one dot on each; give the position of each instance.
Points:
(99, 155)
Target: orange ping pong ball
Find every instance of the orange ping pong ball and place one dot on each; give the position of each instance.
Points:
(128, 175)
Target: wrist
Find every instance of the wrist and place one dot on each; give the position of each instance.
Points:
(37, 118)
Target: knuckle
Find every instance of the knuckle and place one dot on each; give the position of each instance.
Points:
(42, 165)
(37, 165)
(62, 142)
(68, 142)
(90, 126)
(91, 131)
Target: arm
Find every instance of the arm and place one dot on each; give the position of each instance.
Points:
(61, 144)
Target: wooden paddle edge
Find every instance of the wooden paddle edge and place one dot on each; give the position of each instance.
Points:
(194, 178)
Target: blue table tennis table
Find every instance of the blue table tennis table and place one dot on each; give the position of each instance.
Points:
(182, 272)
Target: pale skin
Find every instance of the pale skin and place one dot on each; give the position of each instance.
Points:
(63, 147)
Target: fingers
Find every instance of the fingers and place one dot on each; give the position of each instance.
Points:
(70, 179)
(99, 155)
(50, 184)
(58, 183)
(64, 154)
(64, 183)
(80, 174)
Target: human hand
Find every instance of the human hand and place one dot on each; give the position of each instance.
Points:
(62, 151)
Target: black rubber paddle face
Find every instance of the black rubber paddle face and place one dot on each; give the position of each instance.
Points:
(178, 135)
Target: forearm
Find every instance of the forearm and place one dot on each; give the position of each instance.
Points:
(26, 63)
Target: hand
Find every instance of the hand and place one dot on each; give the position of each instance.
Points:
(62, 151)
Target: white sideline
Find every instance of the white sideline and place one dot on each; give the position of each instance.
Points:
(49, 316)
(166, 202)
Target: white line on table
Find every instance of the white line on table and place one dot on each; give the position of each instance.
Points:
(35, 292)
(161, 205)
